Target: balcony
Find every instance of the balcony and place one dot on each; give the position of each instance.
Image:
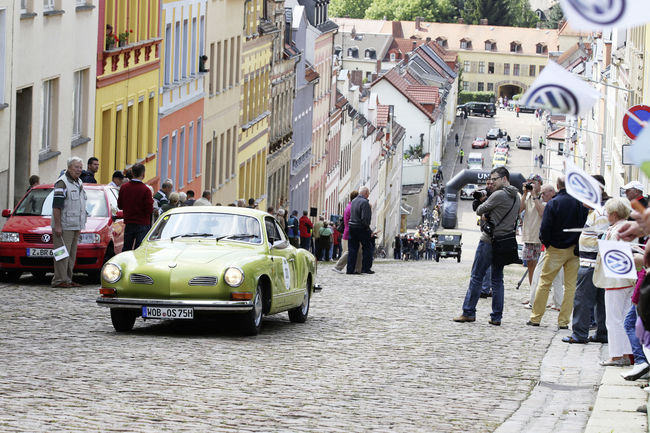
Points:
(139, 56)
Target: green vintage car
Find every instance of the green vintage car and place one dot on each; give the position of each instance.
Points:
(210, 260)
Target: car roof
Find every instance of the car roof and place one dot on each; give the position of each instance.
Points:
(524, 137)
(234, 210)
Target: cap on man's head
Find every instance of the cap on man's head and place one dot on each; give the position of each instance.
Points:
(636, 185)
(536, 177)
(118, 174)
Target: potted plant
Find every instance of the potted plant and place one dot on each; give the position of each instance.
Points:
(111, 41)
(123, 37)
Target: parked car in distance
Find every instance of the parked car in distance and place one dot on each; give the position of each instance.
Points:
(501, 149)
(210, 261)
(26, 238)
(524, 142)
(484, 109)
(499, 160)
(479, 143)
(475, 161)
(495, 133)
(526, 109)
(467, 191)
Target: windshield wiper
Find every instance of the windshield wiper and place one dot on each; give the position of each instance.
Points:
(192, 235)
(237, 236)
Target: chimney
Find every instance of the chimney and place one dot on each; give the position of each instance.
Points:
(418, 20)
(461, 20)
(428, 38)
(378, 69)
(483, 22)
(415, 44)
(406, 59)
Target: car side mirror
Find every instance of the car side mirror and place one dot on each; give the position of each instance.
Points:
(6, 213)
(118, 215)
(279, 244)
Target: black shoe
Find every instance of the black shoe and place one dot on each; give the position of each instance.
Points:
(353, 273)
(529, 323)
(593, 339)
(562, 326)
(483, 295)
(368, 272)
(494, 322)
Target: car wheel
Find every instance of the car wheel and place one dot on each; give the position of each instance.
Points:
(10, 276)
(39, 275)
(252, 320)
(437, 258)
(299, 314)
(458, 258)
(123, 320)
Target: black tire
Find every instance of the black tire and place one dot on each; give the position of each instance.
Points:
(39, 275)
(123, 320)
(10, 276)
(458, 258)
(251, 323)
(437, 258)
(299, 314)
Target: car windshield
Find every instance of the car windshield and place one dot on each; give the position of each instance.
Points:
(208, 225)
(39, 202)
(524, 139)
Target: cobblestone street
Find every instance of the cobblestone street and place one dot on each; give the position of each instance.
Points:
(377, 353)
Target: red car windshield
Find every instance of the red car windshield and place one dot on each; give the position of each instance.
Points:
(38, 202)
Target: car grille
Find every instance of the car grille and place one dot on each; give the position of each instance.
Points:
(35, 238)
(7, 259)
(141, 279)
(36, 261)
(203, 281)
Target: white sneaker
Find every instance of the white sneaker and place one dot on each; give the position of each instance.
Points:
(528, 306)
(636, 372)
(337, 270)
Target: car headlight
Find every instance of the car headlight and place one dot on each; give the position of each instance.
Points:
(89, 238)
(9, 237)
(111, 273)
(234, 277)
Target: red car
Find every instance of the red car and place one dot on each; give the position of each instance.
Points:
(26, 238)
(479, 143)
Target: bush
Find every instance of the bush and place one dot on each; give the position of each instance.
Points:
(464, 97)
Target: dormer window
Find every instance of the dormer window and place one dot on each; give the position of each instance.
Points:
(353, 52)
(441, 41)
(465, 44)
(490, 45)
(541, 48)
(370, 53)
(515, 47)
(337, 51)
(392, 57)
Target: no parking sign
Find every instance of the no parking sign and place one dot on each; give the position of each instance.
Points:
(631, 126)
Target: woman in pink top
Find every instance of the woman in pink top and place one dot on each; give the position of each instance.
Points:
(343, 260)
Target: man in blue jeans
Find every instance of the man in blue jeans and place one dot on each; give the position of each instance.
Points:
(501, 209)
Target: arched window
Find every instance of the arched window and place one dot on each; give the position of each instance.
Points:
(541, 48)
(442, 41)
(370, 53)
(353, 52)
(465, 44)
(515, 47)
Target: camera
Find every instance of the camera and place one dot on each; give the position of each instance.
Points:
(528, 186)
(479, 194)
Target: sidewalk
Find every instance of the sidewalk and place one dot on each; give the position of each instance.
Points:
(563, 400)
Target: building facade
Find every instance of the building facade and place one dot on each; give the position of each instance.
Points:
(182, 94)
(6, 103)
(221, 127)
(43, 131)
(126, 108)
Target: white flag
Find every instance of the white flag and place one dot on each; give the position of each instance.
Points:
(640, 149)
(617, 259)
(582, 187)
(605, 14)
(559, 91)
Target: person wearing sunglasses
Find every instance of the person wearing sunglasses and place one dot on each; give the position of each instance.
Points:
(500, 211)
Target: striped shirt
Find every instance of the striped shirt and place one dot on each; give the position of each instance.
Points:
(598, 222)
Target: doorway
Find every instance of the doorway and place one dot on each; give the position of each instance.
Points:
(23, 142)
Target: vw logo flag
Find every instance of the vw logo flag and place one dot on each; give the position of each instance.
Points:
(617, 259)
(582, 187)
(605, 14)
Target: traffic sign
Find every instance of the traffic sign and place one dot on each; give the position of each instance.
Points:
(630, 125)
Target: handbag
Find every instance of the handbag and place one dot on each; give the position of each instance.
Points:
(505, 249)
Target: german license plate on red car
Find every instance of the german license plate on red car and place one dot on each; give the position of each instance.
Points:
(39, 252)
(167, 312)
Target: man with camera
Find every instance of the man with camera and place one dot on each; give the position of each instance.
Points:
(498, 210)
(531, 202)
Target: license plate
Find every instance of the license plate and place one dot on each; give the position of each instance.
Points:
(39, 252)
(167, 312)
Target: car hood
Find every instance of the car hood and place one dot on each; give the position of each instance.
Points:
(191, 253)
(42, 224)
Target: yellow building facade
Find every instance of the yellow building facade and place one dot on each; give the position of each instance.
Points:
(254, 113)
(126, 102)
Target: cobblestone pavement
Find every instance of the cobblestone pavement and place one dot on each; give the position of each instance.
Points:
(378, 353)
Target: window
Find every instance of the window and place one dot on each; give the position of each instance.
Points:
(3, 28)
(197, 149)
(466, 66)
(23, 6)
(48, 5)
(465, 44)
(531, 70)
(190, 143)
(193, 56)
(541, 48)
(541, 68)
(392, 57)
(490, 87)
(177, 48)
(164, 157)
(184, 48)
(181, 160)
(370, 54)
(47, 109)
(490, 45)
(78, 100)
(465, 86)
(481, 86)
(173, 160)
(353, 52)
(506, 69)
(490, 67)
(515, 69)
(481, 67)
(442, 42)
(168, 53)
(201, 35)
(515, 47)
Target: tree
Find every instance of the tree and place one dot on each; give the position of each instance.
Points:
(522, 14)
(349, 8)
(408, 10)
(500, 12)
(554, 17)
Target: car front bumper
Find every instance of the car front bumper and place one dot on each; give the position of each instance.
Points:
(198, 305)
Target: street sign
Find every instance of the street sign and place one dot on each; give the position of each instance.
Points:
(630, 125)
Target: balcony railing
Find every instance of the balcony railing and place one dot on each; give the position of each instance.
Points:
(119, 59)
